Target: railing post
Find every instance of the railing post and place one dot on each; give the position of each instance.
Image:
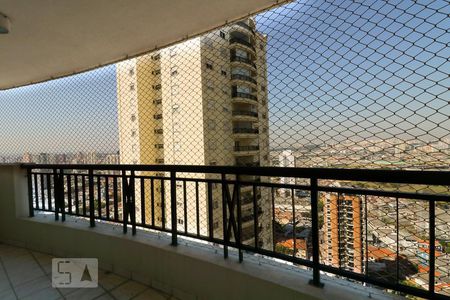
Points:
(315, 233)
(30, 193)
(226, 237)
(239, 217)
(173, 206)
(125, 195)
(56, 193)
(91, 197)
(432, 257)
(132, 202)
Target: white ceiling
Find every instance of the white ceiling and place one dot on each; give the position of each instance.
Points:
(54, 38)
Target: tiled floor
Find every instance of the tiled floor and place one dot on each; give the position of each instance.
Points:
(26, 274)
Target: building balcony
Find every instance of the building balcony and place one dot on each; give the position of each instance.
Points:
(242, 43)
(245, 115)
(244, 97)
(238, 78)
(248, 164)
(239, 130)
(44, 210)
(246, 150)
(242, 60)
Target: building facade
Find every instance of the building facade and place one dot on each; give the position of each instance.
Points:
(343, 231)
(200, 102)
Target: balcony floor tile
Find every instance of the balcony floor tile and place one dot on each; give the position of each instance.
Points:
(26, 274)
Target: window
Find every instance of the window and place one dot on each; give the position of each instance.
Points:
(174, 71)
(156, 87)
(157, 101)
(222, 34)
(157, 116)
(131, 72)
(224, 52)
(133, 117)
(132, 87)
(225, 90)
(158, 131)
(156, 56)
(241, 53)
(211, 124)
(174, 89)
(209, 42)
(159, 146)
(209, 64)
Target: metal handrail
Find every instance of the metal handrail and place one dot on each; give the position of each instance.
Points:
(75, 190)
(243, 60)
(242, 42)
(246, 130)
(243, 77)
(244, 95)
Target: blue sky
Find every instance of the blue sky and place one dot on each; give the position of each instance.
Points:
(336, 70)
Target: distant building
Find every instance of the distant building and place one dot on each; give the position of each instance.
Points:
(200, 102)
(343, 231)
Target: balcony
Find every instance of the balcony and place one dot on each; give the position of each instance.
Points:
(244, 97)
(248, 164)
(246, 26)
(243, 78)
(241, 42)
(44, 209)
(246, 150)
(243, 60)
(244, 115)
(245, 131)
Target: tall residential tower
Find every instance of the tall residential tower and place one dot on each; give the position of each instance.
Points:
(200, 102)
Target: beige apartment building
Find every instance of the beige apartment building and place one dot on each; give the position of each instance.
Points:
(200, 102)
(343, 231)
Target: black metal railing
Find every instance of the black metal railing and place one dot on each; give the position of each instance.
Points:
(246, 148)
(145, 196)
(243, 77)
(246, 130)
(244, 95)
(242, 42)
(236, 58)
(245, 113)
(246, 26)
(248, 164)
